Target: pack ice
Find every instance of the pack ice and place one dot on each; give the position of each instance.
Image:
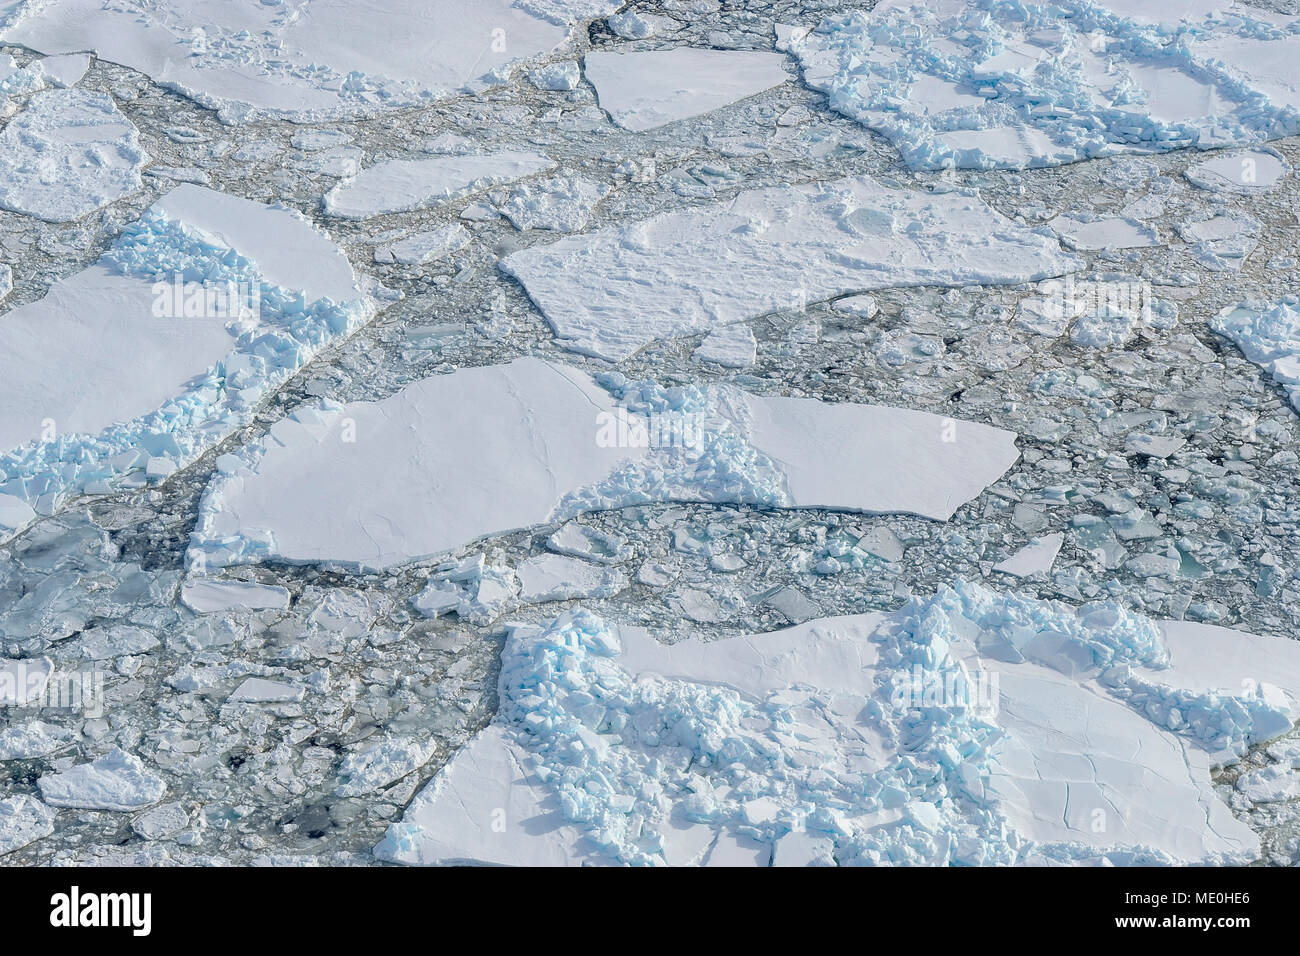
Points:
(652, 88)
(248, 58)
(970, 727)
(134, 366)
(610, 292)
(986, 84)
(1269, 335)
(483, 451)
(67, 154)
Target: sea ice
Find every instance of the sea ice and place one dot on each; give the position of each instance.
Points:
(1033, 558)
(6, 281)
(134, 366)
(732, 346)
(1248, 172)
(610, 292)
(556, 577)
(1062, 82)
(642, 91)
(208, 597)
(115, 781)
(368, 770)
(1268, 335)
(971, 727)
(1105, 233)
(402, 185)
(33, 739)
(250, 59)
(530, 443)
(67, 154)
(560, 205)
(425, 246)
(23, 820)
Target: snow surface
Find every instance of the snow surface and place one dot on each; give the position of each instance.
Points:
(250, 59)
(532, 442)
(67, 154)
(1054, 83)
(610, 292)
(401, 185)
(645, 90)
(99, 386)
(1091, 742)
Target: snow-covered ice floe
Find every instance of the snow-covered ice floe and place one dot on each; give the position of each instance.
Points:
(610, 292)
(645, 90)
(970, 727)
(1269, 335)
(991, 84)
(248, 58)
(401, 185)
(67, 154)
(483, 451)
(133, 367)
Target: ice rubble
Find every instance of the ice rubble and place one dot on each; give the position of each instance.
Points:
(563, 204)
(971, 727)
(989, 84)
(249, 59)
(67, 154)
(6, 281)
(402, 185)
(610, 292)
(1269, 335)
(76, 414)
(645, 90)
(482, 451)
(116, 781)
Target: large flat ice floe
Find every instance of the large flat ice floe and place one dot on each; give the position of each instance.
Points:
(971, 727)
(988, 84)
(483, 451)
(641, 91)
(134, 366)
(401, 185)
(67, 154)
(610, 292)
(248, 58)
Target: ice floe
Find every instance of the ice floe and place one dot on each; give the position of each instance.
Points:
(532, 442)
(401, 185)
(1110, 232)
(250, 59)
(610, 292)
(23, 820)
(211, 596)
(557, 577)
(425, 246)
(732, 346)
(1248, 172)
(67, 154)
(559, 205)
(1269, 335)
(985, 84)
(971, 727)
(645, 90)
(116, 781)
(133, 367)
(1033, 558)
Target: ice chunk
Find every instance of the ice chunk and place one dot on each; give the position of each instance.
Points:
(67, 154)
(401, 185)
(1033, 558)
(23, 820)
(579, 541)
(555, 577)
(22, 682)
(425, 246)
(918, 737)
(209, 301)
(733, 346)
(366, 771)
(33, 739)
(1105, 233)
(610, 292)
(531, 442)
(1271, 784)
(558, 77)
(207, 597)
(115, 781)
(641, 91)
(1074, 81)
(863, 306)
(257, 690)
(251, 59)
